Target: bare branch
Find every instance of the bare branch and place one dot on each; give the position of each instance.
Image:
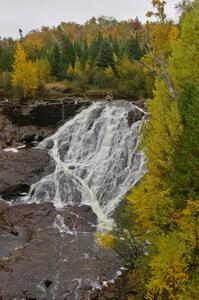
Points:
(164, 77)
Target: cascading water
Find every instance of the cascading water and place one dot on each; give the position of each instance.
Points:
(97, 160)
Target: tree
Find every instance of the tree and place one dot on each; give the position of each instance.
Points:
(67, 55)
(159, 5)
(189, 234)
(184, 173)
(133, 48)
(43, 70)
(105, 56)
(159, 37)
(55, 61)
(184, 63)
(151, 197)
(168, 270)
(94, 49)
(24, 75)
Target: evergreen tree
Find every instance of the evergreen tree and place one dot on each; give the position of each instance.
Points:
(94, 49)
(84, 56)
(67, 55)
(185, 177)
(105, 56)
(133, 48)
(55, 61)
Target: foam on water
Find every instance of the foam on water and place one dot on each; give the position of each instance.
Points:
(97, 160)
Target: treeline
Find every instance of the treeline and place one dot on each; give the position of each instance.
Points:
(97, 57)
(157, 231)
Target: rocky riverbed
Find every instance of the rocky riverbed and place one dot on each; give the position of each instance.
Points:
(48, 252)
(54, 255)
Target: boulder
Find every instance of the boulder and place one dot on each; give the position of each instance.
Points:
(134, 116)
(19, 170)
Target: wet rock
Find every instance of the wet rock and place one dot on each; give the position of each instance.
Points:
(94, 295)
(68, 258)
(22, 121)
(49, 144)
(48, 283)
(109, 295)
(19, 170)
(134, 116)
(63, 150)
(12, 134)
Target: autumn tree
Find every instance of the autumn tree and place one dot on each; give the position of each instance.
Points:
(184, 63)
(159, 37)
(43, 70)
(24, 75)
(166, 200)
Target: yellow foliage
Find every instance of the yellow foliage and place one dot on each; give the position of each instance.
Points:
(70, 71)
(109, 72)
(105, 239)
(151, 197)
(168, 270)
(77, 69)
(184, 63)
(33, 43)
(126, 67)
(24, 76)
(43, 69)
(87, 68)
(161, 37)
(189, 225)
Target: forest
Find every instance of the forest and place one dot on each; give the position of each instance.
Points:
(94, 59)
(156, 230)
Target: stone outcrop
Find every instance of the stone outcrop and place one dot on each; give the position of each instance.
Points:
(22, 122)
(54, 256)
(19, 170)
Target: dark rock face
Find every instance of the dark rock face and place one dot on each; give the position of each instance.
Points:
(15, 135)
(48, 260)
(19, 170)
(28, 122)
(134, 116)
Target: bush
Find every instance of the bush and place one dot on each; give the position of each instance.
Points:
(5, 80)
(126, 242)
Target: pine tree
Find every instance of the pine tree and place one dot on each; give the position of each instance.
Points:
(133, 48)
(105, 56)
(67, 55)
(55, 61)
(94, 49)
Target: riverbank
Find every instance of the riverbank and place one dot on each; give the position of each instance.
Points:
(61, 193)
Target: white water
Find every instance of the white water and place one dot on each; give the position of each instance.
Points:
(97, 160)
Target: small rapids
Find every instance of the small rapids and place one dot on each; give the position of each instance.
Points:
(97, 161)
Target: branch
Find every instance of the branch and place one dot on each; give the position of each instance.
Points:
(163, 65)
(165, 78)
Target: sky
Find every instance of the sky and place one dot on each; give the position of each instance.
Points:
(32, 14)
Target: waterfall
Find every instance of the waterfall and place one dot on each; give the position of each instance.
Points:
(97, 160)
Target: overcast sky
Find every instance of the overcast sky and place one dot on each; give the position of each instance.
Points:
(32, 14)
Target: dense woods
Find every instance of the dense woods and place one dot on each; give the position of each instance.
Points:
(96, 59)
(157, 231)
